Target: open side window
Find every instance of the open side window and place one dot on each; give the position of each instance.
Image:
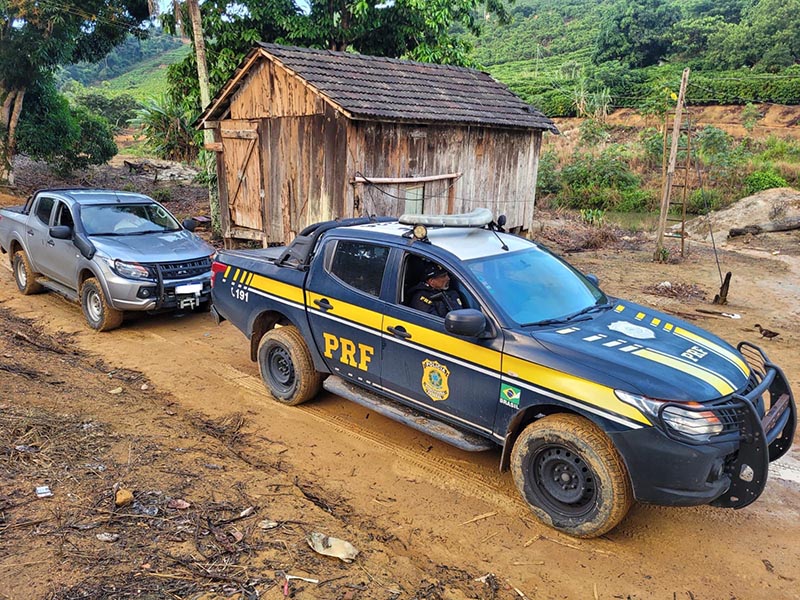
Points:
(63, 216)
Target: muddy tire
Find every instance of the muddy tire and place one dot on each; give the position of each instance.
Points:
(571, 475)
(100, 315)
(24, 274)
(287, 367)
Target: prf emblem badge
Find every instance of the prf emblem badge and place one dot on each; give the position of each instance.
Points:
(434, 380)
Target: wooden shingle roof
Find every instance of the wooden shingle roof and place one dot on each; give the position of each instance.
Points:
(389, 89)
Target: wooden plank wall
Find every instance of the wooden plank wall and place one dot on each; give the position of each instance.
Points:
(304, 169)
(271, 91)
(498, 166)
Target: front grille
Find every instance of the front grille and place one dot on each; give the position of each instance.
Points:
(181, 270)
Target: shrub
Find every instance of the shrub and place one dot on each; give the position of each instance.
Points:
(775, 148)
(168, 130)
(635, 200)
(593, 216)
(750, 116)
(703, 201)
(65, 137)
(593, 132)
(548, 180)
(763, 180)
(117, 110)
(597, 180)
(162, 195)
(652, 142)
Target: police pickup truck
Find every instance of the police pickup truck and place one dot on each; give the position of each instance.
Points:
(111, 251)
(595, 401)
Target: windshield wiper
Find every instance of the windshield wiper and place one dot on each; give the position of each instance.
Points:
(581, 315)
(145, 232)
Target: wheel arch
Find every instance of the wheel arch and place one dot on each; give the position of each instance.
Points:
(13, 247)
(524, 418)
(267, 320)
(260, 324)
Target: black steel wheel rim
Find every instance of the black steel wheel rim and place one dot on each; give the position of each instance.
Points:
(564, 483)
(281, 369)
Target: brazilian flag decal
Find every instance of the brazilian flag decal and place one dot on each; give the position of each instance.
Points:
(509, 395)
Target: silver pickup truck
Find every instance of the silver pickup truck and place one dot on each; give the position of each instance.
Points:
(111, 251)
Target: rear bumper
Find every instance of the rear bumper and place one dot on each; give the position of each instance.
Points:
(731, 469)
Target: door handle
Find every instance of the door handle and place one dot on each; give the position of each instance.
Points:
(399, 331)
(323, 304)
(30, 232)
(51, 243)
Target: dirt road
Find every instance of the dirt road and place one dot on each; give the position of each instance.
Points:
(428, 519)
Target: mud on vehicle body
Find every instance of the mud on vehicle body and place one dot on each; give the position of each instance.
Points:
(595, 401)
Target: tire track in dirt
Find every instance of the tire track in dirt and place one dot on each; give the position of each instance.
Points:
(444, 473)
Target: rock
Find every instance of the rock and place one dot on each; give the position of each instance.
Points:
(123, 497)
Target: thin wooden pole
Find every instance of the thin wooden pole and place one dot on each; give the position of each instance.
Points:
(673, 155)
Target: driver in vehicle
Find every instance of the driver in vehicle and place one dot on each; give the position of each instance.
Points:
(432, 295)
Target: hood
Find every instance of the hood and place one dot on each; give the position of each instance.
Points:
(650, 353)
(153, 247)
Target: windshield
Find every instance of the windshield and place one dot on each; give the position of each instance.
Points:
(533, 285)
(127, 219)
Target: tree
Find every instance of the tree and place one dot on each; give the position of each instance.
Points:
(403, 28)
(36, 36)
(636, 32)
(63, 136)
(767, 37)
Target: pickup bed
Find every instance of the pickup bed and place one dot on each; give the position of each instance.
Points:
(595, 401)
(111, 251)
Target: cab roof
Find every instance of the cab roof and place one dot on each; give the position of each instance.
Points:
(464, 242)
(96, 196)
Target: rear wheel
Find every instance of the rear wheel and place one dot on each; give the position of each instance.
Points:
(24, 275)
(287, 367)
(571, 475)
(100, 315)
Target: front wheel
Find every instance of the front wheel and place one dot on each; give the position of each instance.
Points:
(100, 315)
(571, 475)
(24, 275)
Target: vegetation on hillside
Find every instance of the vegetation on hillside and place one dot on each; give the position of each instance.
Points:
(620, 169)
(564, 56)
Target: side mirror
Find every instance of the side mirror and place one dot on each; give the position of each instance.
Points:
(593, 278)
(189, 224)
(465, 321)
(61, 232)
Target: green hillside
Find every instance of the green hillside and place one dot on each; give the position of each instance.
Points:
(148, 79)
(584, 56)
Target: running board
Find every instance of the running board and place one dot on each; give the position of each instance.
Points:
(409, 416)
(59, 289)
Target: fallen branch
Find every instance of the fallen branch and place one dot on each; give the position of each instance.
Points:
(480, 518)
(782, 225)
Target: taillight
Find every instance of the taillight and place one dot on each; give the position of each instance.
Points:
(217, 267)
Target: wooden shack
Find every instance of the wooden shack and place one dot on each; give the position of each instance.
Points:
(304, 135)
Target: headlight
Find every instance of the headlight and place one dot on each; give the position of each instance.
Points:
(698, 424)
(131, 270)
